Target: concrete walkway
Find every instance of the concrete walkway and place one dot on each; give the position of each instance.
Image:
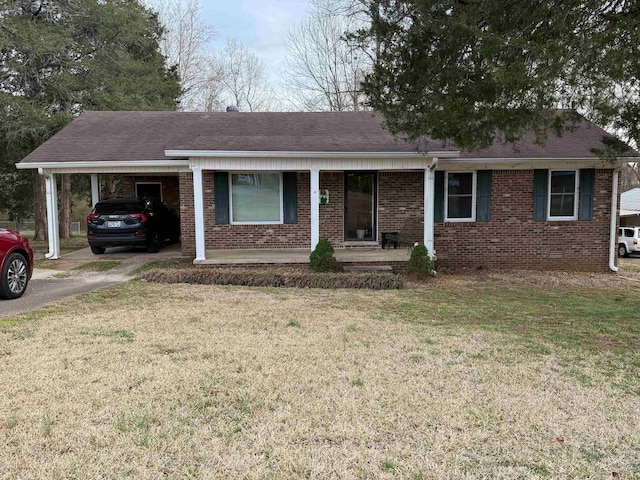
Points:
(59, 281)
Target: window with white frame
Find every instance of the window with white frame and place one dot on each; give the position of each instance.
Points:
(256, 198)
(460, 196)
(563, 195)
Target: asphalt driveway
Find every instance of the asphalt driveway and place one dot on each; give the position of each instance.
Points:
(59, 281)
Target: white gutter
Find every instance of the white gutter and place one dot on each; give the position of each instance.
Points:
(541, 159)
(613, 243)
(289, 154)
(107, 163)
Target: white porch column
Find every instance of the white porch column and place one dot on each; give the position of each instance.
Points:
(429, 199)
(95, 190)
(315, 208)
(198, 212)
(51, 193)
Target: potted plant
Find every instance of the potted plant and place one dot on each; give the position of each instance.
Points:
(360, 228)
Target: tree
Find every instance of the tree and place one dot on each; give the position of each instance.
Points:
(629, 176)
(322, 66)
(61, 57)
(244, 82)
(464, 70)
(185, 44)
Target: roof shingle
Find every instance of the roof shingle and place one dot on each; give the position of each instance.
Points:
(122, 136)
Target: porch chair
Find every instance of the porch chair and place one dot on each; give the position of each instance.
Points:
(411, 232)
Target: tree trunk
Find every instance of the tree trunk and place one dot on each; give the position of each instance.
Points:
(40, 214)
(107, 187)
(65, 205)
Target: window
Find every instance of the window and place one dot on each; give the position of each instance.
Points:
(563, 193)
(460, 196)
(256, 198)
(149, 190)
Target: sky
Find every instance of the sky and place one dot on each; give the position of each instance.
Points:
(261, 24)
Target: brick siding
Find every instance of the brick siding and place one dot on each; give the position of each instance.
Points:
(332, 214)
(401, 204)
(510, 240)
(170, 187)
(225, 237)
(513, 240)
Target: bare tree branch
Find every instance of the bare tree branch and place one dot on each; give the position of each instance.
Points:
(322, 69)
(244, 82)
(185, 45)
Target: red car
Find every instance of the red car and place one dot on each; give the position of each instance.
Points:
(16, 264)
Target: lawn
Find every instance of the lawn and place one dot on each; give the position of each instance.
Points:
(67, 245)
(464, 377)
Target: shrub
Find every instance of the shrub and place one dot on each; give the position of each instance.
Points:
(322, 259)
(261, 278)
(420, 263)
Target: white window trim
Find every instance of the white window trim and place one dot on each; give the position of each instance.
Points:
(274, 222)
(575, 196)
(472, 218)
(149, 183)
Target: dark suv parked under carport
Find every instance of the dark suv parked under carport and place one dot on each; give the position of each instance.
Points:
(116, 222)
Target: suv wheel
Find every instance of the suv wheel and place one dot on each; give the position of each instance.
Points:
(14, 277)
(97, 250)
(622, 250)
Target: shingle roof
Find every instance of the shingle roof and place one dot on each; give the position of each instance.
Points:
(123, 136)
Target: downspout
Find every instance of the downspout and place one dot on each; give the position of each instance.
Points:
(429, 196)
(52, 220)
(614, 220)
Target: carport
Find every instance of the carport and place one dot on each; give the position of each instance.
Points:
(149, 173)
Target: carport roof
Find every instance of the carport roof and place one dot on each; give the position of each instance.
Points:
(146, 136)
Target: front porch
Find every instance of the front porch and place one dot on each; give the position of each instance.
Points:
(284, 256)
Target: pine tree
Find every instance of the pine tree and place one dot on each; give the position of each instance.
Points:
(61, 57)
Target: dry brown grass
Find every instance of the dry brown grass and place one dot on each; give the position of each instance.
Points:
(175, 381)
(274, 278)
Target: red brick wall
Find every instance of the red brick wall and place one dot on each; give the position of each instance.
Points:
(187, 225)
(510, 240)
(513, 240)
(401, 204)
(222, 237)
(332, 214)
(170, 187)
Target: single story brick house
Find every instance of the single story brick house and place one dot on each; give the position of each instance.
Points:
(261, 182)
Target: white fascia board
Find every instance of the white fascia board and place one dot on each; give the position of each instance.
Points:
(532, 159)
(526, 163)
(274, 154)
(105, 164)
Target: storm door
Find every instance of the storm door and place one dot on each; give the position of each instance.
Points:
(360, 206)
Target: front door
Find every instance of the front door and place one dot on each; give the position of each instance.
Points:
(360, 206)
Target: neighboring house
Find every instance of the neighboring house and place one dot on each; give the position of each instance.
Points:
(630, 208)
(283, 180)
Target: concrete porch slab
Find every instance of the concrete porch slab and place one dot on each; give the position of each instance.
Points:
(283, 256)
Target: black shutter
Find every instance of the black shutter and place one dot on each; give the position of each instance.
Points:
(585, 207)
(290, 196)
(221, 197)
(483, 202)
(438, 204)
(540, 195)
